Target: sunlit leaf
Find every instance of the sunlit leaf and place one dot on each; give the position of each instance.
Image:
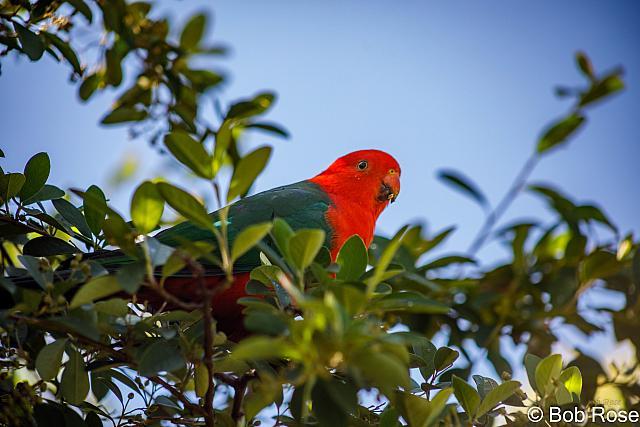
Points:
(146, 207)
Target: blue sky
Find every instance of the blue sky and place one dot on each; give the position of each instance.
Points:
(464, 85)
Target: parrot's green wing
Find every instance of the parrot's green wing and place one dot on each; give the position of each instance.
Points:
(301, 205)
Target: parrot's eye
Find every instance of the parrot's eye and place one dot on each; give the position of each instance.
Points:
(362, 165)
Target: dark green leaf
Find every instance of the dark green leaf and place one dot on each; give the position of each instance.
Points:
(531, 362)
(82, 7)
(584, 65)
(49, 359)
(269, 127)
(72, 215)
(48, 246)
(131, 276)
(31, 43)
(444, 358)
(159, 356)
(75, 379)
(65, 49)
(48, 192)
(464, 184)
(89, 86)
(124, 114)
(95, 208)
(36, 173)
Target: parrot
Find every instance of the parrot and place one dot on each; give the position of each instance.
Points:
(345, 199)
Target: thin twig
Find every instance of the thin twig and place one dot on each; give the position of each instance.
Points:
(509, 197)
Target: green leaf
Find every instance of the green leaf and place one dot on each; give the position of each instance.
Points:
(409, 302)
(584, 65)
(252, 107)
(95, 289)
(484, 385)
(465, 185)
(572, 380)
(497, 395)
(547, 371)
(426, 351)
(49, 359)
(36, 173)
(264, 348)
(190, 153)
(447, 261)
(282, 233)
(248, 238)
(146, 207)
(65, 49)
(10, 185)
(30, 42)
(72, 215)
(269, 127)
(201, 379)
(419, 412)
(467, 396)
(385, 371)
(385, 259)
(247, 170)
(531, 362)
(75, 379)
(636, 268)
(131, 276)
(304, 246)
(95, 208)
(161, 355)
(602, 88)
(124, 114)
(559, 132)
(89, 86)
(444, 358)
(48, 192)
(48, 246)
(352, 259)
(82, 7)
(193, 32)
(599, 264)
(119, 233)
(186, 205)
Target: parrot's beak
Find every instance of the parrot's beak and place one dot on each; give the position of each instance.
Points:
(390, 188)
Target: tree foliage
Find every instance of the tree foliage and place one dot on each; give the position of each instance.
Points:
(345, 343)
